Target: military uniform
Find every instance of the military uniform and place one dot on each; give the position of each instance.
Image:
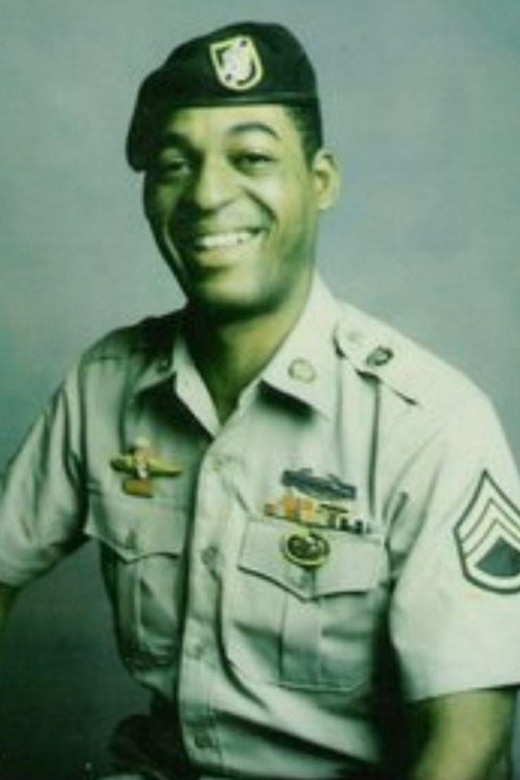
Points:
(360, 501)
(252, 565)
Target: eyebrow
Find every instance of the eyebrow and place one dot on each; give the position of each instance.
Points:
(252, 127)
(182, 141)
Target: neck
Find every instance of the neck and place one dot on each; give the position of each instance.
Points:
(229, 354)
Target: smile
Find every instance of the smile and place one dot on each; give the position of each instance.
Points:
(223, 240)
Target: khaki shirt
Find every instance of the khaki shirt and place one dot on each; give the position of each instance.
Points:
(359, 479)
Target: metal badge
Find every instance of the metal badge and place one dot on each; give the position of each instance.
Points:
(380, 356)
(141, 465)
(308, 549)
(237, 63)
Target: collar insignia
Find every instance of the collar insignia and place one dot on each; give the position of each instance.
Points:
(488, 539)
(237, 63)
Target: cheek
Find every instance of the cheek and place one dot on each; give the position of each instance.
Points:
(158, 209)
(296, 210)
(150, 203)
(158, 203)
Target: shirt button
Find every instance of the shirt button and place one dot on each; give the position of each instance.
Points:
(203, 739)
(209, 555)
(302, 371)
(196, 650)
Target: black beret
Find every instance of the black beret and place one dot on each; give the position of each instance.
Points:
(243, 63)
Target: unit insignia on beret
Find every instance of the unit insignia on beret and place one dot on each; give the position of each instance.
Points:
(488, 539)
(237, 63)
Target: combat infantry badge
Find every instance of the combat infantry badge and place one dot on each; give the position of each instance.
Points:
(237, 63)
(488, 539)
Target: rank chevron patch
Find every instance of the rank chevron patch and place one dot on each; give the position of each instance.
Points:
(488, 539)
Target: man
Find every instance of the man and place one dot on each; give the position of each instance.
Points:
(300, 512)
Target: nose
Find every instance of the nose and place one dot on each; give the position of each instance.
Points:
(213, 185)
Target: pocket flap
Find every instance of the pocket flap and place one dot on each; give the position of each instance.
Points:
(352, 566)
(135, 528)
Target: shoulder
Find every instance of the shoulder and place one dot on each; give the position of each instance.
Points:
(151, 338)
(126, 359)
(398, 363)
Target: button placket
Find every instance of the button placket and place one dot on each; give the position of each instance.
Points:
(198, 663)
(196, 650)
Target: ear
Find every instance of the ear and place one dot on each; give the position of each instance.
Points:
(327, 179)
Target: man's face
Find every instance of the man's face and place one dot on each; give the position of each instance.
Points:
(233, 205)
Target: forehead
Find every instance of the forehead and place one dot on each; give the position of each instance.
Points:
(200, 126)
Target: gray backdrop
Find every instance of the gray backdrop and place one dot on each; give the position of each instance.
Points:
(422, 102)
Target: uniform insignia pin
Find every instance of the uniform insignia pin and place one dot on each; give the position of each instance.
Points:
(306, 548)
(141, 466)
(237, 63)
(317, 502)
(379, 357)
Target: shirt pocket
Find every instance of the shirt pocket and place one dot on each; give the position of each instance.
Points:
(141, 544)
(291, 626)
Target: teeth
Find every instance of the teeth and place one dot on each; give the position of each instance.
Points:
(219, 240)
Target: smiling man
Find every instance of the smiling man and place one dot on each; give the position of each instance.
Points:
(309, 526)
(233, 203)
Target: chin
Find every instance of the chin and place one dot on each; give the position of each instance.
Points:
(225, 304)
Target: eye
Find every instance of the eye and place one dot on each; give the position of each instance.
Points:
(253, 161)
(172, 168)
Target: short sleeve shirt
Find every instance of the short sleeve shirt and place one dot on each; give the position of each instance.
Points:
(362, 486)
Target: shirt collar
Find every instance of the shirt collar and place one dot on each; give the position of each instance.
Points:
(157, 342)
(303, 367)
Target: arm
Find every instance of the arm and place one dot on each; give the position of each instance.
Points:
(463, 736)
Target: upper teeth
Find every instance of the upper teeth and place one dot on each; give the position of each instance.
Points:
(217, 240)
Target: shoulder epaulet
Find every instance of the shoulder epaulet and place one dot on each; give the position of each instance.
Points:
(153, 335)
(415, 373)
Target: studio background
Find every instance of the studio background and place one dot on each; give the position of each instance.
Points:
(422, 105)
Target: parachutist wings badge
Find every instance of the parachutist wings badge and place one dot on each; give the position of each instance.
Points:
(488, 539)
